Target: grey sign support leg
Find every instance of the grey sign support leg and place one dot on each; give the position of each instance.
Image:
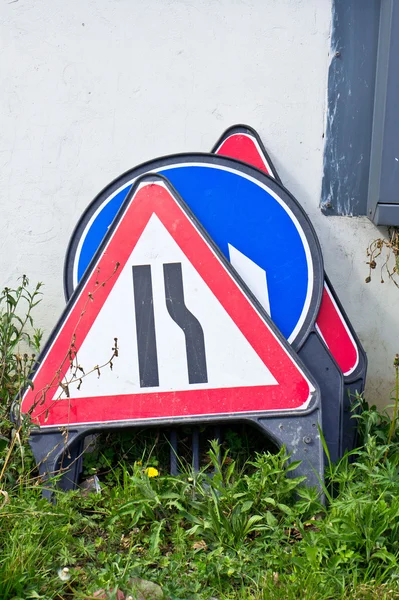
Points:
(302, 440)
(58, 453)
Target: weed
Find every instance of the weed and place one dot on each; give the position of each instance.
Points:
(19, 344)
(389, 249)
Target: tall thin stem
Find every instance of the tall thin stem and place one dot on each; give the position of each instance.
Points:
(392, 427)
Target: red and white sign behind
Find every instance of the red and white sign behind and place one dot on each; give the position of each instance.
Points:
(204, 348)
(330, 323)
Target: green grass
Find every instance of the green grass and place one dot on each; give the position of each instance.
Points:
(243, 527)
(234, 530)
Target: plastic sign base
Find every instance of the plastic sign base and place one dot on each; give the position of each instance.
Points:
(61, 454)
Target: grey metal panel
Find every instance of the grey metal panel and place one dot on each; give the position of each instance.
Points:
(386, 214)
(351, 80)
(384, 166)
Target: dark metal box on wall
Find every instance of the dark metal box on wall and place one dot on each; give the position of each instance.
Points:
(361, 149)
(383, 196)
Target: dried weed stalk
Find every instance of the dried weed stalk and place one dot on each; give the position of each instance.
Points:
(389, 249)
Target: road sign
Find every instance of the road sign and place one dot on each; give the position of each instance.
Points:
(243, 143)
(193, 343)
(268, 238)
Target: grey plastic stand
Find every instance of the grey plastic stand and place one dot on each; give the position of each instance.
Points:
(316, 356)
(59, 456)
(302, 440)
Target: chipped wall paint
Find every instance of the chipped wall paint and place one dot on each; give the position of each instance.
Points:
(91, 89)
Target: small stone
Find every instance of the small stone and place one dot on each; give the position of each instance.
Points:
(145, 590)
(90, 485)
(64, 574)
(201, 545)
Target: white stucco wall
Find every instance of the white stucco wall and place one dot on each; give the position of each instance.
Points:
(91, 88)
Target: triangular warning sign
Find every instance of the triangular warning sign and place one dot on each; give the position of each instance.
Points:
(184, 337)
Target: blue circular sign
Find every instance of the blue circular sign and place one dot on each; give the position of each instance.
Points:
(255, 222)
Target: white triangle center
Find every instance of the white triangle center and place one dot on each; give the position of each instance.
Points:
(230, 359)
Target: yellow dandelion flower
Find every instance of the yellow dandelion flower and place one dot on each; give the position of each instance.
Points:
(151, 472)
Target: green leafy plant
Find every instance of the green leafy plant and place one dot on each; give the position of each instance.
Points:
(244, 531)
(19, 344)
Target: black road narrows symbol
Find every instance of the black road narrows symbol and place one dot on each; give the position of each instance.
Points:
(145, 326)
(195, 343)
